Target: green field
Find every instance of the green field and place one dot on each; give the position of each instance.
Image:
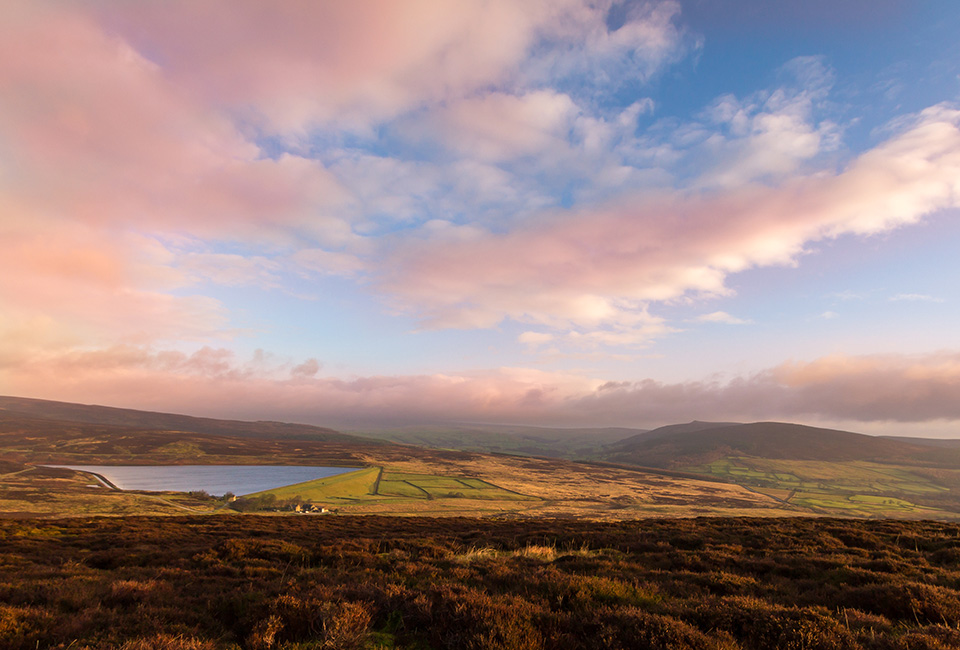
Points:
(378, 485)
(348, 486)
(859, 488)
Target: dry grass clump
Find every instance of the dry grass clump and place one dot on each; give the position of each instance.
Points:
(168, 642)
(476, 553)
(19, 625)
(538, 552)
(531, 551)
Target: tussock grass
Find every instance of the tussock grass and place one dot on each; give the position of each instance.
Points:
(477, 553)
(537, 552)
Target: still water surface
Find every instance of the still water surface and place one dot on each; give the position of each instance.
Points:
(214, 479)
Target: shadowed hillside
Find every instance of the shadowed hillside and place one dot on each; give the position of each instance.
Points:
(105, 415)
(45, 440)
(701, 442)
(522, 440)
(821, 470)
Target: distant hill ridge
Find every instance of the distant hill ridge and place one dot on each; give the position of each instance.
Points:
(701, 442)
(110, 416)
(510, 439)
(671, 430)
(669, 447)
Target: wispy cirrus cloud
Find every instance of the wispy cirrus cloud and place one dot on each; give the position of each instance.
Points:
(915, 297)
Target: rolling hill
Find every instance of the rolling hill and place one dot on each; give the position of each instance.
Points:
(508, 439)
(149, 420)
(823, 470)
(699, 442)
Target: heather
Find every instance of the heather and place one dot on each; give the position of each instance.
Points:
(264, 582)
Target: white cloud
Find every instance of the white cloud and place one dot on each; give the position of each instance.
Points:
(498, 126)
(721, 317)
(585, 48)
(769, 134)
(915, 297)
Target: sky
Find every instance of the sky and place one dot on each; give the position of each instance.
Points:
(548, 212)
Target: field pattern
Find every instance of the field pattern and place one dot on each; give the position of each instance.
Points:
(857, 488)
(379, 486)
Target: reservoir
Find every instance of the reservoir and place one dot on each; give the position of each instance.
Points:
(213, 479)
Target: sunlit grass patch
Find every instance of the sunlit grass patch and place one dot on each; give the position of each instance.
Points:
(379, 487)
(351, 485)
(476, 553)
(538, 552)
(427, 486)
(857, 489)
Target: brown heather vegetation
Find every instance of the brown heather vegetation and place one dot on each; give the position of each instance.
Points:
(263, 583)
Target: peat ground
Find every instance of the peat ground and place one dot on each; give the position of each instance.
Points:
(260, 582)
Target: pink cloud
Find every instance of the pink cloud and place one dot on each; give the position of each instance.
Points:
(308, 63)
(499, 126)
(91, 288)
(129, 135)
(109, 162)
(602, 266)
(128, 119)
(102, 135)
(214, 382)
(914, 390)
(864, 389)
(880, 387)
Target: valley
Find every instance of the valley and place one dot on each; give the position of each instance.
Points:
(699, 468)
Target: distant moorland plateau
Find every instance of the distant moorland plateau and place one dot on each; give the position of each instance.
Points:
(699, 468)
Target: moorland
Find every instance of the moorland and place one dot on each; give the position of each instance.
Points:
(293, 583)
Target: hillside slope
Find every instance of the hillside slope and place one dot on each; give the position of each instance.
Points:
(686, 445)
(823, 470)
(667, 431)
(149, 420)
(508, 439)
